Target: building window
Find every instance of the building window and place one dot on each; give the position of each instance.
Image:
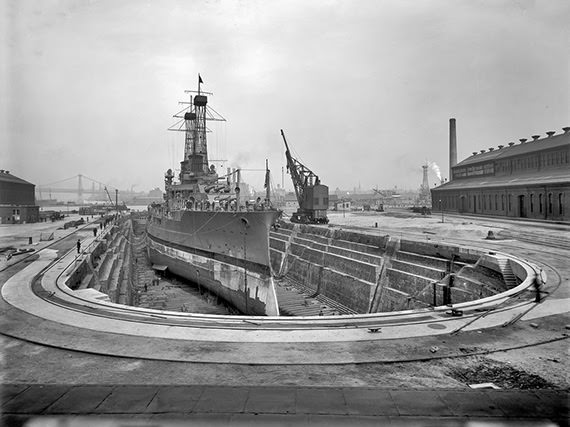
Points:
(502, 202)
(540, 202)
(510, 203)
(560, 203)
(532, 202)
(549, 203)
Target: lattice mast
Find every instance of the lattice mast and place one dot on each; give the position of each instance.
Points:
(196, 147)
(193, 123)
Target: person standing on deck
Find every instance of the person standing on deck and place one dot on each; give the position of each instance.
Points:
(78, 246)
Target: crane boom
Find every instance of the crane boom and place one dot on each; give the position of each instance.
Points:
(109, 196)
(308, 189)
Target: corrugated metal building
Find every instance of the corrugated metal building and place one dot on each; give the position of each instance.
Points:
(17, 200)
(530, 179)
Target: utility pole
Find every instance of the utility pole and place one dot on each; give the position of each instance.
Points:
(117, 201)
(267, 183)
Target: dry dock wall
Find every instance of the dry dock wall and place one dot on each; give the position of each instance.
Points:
(345, 271)
(104, 266)
(357, 270)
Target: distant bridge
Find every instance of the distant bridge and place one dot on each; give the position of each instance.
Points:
(75, 185)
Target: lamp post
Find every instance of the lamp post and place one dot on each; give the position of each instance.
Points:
(441, 208)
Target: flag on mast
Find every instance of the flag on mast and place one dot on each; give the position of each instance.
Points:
(200, 79)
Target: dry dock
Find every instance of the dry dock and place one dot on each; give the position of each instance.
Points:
(122, 372)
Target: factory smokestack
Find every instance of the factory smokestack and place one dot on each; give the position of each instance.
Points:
(425, 183)
(452, 147)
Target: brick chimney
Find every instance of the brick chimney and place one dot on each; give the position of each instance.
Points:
(452, 146)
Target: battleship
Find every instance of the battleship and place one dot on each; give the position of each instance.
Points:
(205, 230)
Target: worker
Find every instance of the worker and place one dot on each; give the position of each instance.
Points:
(538, 282)
(78, 246)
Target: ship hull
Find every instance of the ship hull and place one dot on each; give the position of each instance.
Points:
(226, 252)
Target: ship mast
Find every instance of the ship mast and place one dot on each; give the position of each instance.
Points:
(193, 123)
(196, 135)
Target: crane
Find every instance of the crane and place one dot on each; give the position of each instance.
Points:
(111, 200)
(313, 197)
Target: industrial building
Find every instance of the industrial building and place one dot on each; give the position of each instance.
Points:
(529, 179)
(17, 200)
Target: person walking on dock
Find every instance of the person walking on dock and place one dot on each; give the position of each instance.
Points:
(78, 246)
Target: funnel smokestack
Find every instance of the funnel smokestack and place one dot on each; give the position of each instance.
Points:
(452, 146)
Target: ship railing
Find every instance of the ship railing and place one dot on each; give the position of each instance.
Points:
(228, 207)
(213, 207)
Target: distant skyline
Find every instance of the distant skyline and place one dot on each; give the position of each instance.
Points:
(363, 89)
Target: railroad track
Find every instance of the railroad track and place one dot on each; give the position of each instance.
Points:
(559, 242)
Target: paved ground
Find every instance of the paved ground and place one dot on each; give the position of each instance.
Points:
(44, 381)
(291, 405)
(17, 236)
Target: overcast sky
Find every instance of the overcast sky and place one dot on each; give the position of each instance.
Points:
(363, 89)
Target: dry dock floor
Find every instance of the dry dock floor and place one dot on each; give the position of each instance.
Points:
(426, 380)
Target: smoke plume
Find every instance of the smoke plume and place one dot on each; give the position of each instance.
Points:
(435, 168)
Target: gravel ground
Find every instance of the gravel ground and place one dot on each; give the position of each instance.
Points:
(24, 362)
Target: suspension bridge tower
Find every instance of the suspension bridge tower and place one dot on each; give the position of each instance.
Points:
(80, 188)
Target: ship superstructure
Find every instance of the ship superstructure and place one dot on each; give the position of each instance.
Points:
(205, 231)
